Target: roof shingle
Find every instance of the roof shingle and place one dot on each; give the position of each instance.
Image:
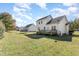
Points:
(44, 17)
(56, 20)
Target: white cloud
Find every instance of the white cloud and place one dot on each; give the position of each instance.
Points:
(38, 17)
(27, 17)
(73, 9)
(22, 14)
(77, 15)
(70, 10)
(69, 4)
(24, 5)
(19, 21)
(16, 9)
(58, 12)
(42, 5)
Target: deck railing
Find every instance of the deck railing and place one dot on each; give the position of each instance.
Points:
(48, 31)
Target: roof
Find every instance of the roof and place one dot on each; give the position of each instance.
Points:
(67, 23)
(28, 25)
(44, 17)
(56, 20)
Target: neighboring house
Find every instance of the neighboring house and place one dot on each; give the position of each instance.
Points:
(58, 25)
(19, 28)
(30, 28)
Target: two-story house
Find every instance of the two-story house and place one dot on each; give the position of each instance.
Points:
(49, 25)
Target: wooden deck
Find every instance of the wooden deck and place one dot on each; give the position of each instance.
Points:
(51, 32)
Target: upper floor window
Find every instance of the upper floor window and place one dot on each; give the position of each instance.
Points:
(40, 22)
(52, 28)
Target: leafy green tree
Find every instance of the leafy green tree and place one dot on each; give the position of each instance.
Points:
(2, 29)
(77, 23)
(7, 20)
(74, 24)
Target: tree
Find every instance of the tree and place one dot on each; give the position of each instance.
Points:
(7, 20)
(77, 23)
(2, 29)
(14, 24)
(74, 25)
(71, 26)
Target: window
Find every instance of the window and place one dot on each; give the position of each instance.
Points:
(41, 22)
(53, 27)
(38, 28)
(44, 28)
(47, 28)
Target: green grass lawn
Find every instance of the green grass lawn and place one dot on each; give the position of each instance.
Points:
(16, 43)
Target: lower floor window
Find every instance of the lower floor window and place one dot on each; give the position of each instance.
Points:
(38, 28)
(44, 28)
(53, 27)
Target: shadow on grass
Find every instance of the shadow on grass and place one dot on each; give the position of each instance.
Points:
(62, 38)
(54, 37)
(21, 33)
(35, 36)
(75, 35)
(1, 37)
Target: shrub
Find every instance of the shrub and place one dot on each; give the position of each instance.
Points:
(1, 33)
(71, 32)
(2, 29)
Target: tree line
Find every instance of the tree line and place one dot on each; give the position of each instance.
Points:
(74, 25)
(7, 23)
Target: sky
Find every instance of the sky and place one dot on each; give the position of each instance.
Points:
(27, 13)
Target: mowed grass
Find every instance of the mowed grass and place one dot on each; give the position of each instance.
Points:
(16, 43)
